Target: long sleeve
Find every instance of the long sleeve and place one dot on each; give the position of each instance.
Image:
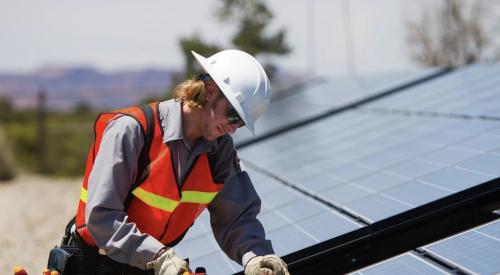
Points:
(233, 213)
(113, 173)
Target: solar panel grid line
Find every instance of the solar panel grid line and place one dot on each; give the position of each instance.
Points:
(447, 155)
(471, 166)
(451, 268)
(414, 193)
(430, 114)
(334, 111)
(348, 140)
(488, 236)
(458, 264)
(435, 185)
(491, 229)
(481, 144)
(407, 263)
(307, 194)
(460, 99)
(403, 202)
(448, 204)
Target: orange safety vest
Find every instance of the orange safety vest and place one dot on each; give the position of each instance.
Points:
(157, 205)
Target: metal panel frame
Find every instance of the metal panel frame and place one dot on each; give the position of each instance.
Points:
(399, 233)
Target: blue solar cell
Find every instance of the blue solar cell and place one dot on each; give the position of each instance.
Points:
(415, 193)
(448, 156)
(482, 143)
(301, 209)
(445, 138)
(289, 239)
(381, 180)
(483, 164)
(382, 160)
(473, 126)
(404, 264)
(492, 229)
(375, 207)
(272, 220)
(455, 179)
(473, 250)
(318, 182)
(349, 171)
(343, 194)
(264, 185)
(412, 169)
(327, 224)
(412, 149)
(279, 197)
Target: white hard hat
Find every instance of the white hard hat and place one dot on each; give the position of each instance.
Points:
(242, 80)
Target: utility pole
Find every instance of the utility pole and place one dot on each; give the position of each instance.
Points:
(41, 131)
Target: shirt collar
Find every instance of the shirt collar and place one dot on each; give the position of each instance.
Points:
(170, 113)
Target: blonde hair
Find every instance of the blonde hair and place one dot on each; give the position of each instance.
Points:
(191, 92)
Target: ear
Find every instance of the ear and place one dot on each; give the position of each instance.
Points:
(212, 91)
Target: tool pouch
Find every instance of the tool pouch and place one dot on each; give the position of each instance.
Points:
(57, 259)
(73, 260)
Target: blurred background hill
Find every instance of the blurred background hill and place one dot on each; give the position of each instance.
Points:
(67, 87)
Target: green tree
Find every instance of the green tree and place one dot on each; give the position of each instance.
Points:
(6, 109)
(7, 171)
(252, 17)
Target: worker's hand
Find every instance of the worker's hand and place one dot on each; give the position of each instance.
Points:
(168, 263)
(266, 265)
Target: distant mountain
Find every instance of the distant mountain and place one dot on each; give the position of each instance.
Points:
(67, 87)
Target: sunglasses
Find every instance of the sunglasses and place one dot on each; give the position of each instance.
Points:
(231, 114)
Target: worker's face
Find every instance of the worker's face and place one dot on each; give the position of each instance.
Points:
(215, 119)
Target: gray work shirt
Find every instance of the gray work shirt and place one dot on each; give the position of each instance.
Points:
(232, 213)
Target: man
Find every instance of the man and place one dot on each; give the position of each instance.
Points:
(153, 170)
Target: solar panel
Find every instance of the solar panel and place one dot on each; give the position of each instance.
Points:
(322, 96)
(291, 220)
(474, 92)
(403, 264)
(476, 251)
(374, 162)
(345, 166)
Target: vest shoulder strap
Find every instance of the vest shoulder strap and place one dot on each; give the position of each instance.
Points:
(143, 163)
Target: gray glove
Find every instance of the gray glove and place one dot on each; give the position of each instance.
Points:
(266, 265)
(167, 263)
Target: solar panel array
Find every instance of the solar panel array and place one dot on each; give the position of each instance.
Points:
(475, 251)
(321, 96)
(373, 162)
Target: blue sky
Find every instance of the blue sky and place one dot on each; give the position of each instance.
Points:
(128, 34)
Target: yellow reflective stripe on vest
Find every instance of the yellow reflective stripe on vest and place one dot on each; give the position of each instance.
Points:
(169, 205)
(83, 195)
(198, 197)
(154, 200)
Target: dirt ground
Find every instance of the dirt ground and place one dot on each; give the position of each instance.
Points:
(33, 213)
